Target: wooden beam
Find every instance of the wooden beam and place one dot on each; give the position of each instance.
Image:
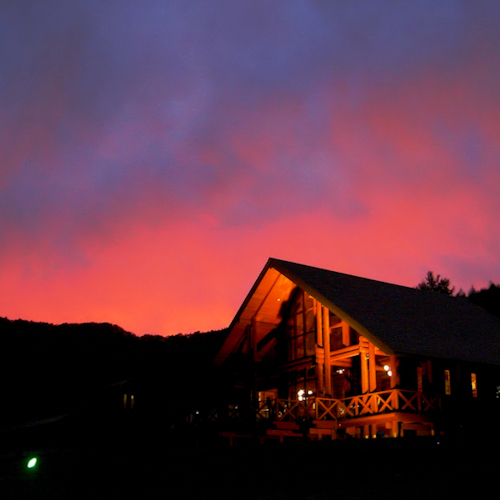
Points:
(342, 363)
(345, 352)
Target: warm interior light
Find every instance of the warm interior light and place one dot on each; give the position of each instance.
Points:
(387, 368)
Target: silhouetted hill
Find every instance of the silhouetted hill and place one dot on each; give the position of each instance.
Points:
(48, 369)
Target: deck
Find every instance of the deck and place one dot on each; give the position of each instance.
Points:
(316, 417)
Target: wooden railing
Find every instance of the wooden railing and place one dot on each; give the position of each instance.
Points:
(355, 406)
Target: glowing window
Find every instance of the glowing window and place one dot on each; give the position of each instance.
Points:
(447, 383)
(301, 326)
(473, 381)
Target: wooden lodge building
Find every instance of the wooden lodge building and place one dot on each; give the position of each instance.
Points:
(322, 354)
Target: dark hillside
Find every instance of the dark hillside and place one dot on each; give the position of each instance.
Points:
(48, 370)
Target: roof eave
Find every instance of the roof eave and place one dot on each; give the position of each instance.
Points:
(276, 264)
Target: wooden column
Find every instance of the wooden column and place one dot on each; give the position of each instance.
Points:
(366, 431)
(372, 368)
(346, 334)
(365, 385)
(320, 351)
(395, 429)
(326, 345)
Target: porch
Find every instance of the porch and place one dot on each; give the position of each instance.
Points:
(386, 413)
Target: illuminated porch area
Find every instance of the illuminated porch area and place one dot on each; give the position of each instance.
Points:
(381, 414)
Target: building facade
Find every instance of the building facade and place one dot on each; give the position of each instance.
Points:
(317, 353)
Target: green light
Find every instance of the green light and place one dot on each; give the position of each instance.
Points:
(32, 463)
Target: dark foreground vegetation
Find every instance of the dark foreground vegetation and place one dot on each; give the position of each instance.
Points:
(148, 468)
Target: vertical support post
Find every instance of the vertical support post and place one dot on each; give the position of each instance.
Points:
(395, 429)
(326, 344)
(372, 367)
(346, 334)
(419, 379)
(320, 351)
(365, 387)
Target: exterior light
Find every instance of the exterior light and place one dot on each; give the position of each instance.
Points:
(387, 368)
(389, 373)
(31, 462)
(309, 393)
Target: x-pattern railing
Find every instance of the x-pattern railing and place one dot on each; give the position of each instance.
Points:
(352, 407)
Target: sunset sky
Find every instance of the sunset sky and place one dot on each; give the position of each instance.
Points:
(154, 154)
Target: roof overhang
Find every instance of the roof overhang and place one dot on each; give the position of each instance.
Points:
(263, 304)
(352, 322)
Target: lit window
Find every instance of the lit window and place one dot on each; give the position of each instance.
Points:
(447, 384)
(473, 381)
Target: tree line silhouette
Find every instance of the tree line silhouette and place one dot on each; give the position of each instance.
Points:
(50, 370)
(487, 298)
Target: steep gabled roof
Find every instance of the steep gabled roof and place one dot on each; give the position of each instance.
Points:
(398, 319)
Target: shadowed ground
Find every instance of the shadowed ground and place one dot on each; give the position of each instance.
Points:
(385, 469)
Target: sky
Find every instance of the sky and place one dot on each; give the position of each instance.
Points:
(154, 154)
